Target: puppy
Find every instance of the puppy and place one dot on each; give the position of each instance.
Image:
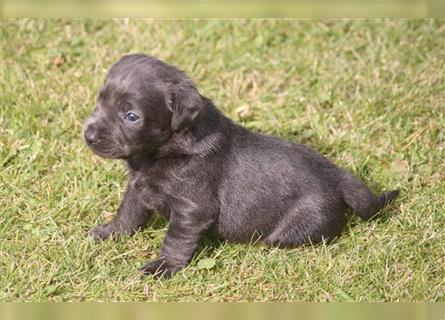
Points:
(206, 174)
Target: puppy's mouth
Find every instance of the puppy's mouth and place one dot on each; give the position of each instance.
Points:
(107, 153)
(103, 149)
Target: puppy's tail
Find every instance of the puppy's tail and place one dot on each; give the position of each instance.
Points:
(359, 198)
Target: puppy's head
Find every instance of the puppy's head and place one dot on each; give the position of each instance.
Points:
(142, 103)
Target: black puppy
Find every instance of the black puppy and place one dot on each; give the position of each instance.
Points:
(204, 173)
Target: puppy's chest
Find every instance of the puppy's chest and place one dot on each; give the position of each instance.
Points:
(157, 191)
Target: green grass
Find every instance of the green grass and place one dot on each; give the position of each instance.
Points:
(367, 94)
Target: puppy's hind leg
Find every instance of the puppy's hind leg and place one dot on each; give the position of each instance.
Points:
(132, 215)
(306, 224)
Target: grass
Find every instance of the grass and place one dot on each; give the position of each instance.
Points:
(368, 94)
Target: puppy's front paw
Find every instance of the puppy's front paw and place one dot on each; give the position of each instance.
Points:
(159, 268)
(101, 232)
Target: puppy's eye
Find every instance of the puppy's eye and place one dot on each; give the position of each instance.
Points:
(132, 117)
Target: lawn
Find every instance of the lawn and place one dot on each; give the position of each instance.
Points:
(368, 94)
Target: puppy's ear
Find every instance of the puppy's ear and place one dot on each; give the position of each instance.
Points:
(186, 105)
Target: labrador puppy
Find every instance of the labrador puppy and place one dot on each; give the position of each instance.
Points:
(207, 175)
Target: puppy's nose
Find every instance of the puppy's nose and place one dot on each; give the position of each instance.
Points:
(91, 135)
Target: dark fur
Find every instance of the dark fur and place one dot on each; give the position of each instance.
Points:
(204, 173)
